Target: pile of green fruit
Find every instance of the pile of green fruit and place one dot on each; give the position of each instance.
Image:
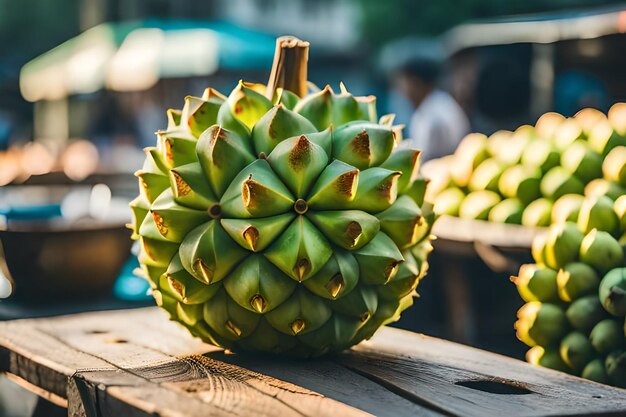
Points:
(282, 218)
(534, 174)
(575, 294)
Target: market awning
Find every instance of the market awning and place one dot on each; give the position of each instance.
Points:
(538, 28)
(131, 56)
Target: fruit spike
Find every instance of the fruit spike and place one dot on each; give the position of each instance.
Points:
(261, 229)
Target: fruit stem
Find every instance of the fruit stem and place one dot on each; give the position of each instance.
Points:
(289, 70)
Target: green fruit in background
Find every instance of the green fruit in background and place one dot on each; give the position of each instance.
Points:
(512, 148)
(548, 123)
(548, 357)
(537, 213)
(598, 213)
(602, 187)
(603, 138)
(614, 165)
(472, 150)
(588, 118)
(498, 141)
(558, 181)
(567, 133)
(594, 371)
(520, 182)
(261, 228)
(541, 154)
(615, 365)
(617, 117)
(575, 280)
(478, 204)
(540, 323)
(581, 161)
(562, 245)
(601, 251)
(620, 209)
(538, 248)
(507, 211)
(607, 335)
(536, 283)
(576, 351)
(584, 313)
(448, 202)
(612, 292)
(566, 208)
(486, 176)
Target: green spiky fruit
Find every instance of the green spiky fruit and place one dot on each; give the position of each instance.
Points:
(280, 220)
(540, 323)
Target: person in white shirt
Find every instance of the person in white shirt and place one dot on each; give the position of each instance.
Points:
(438, 123)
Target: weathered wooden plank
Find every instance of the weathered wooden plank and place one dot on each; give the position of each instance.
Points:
(332, 380)
(460, 380)
(153, 366)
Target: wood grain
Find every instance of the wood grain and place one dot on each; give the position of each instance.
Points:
(137, 363)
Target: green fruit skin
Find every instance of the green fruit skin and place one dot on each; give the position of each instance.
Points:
(576, 280)
(606, 336)
(615, 365)
(595, 371)
(486, 176)
(536, 283)
(541, 324)
(584, 313)
(582, 162)
(602, 187)
(478, 204)
(562, 245)
(576, 351)
(448, 202)
(614, 165)
(548, 357)
(567, 208)
(598, 213)
(557, 182)
(612, 292)
(507, 211)
(537, 213)
(601, 251)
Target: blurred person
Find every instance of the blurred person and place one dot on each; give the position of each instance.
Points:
(438, 123)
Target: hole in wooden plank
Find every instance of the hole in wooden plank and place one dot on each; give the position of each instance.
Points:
(494, 387)
(97, 332)
(112, 341)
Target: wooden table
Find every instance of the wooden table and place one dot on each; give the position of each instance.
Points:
(137, 363)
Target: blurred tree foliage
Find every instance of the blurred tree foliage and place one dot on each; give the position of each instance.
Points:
(385, 20)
